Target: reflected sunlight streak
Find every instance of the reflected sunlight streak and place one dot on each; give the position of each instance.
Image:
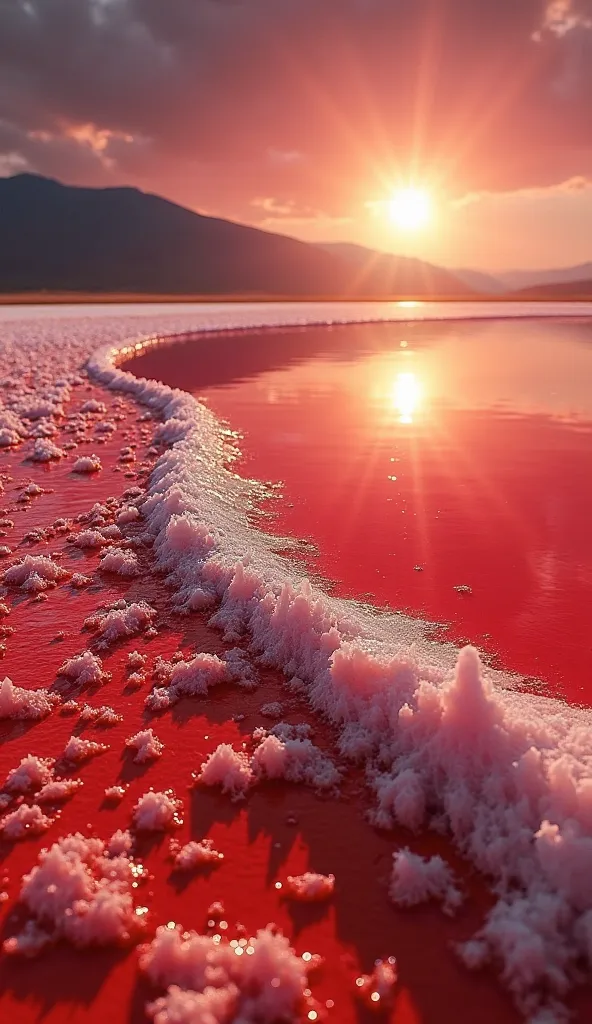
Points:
(406, 396)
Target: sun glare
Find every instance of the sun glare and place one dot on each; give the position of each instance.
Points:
(406, 396)
(410, 208)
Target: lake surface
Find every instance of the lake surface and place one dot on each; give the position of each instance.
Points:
(443, 468)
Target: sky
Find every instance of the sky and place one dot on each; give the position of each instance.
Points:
(306, 116)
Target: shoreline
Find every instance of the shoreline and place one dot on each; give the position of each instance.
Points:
(115, 298)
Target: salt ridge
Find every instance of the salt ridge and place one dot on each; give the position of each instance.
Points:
(507, 775)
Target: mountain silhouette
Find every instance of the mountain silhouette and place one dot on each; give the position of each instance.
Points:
(59, 238)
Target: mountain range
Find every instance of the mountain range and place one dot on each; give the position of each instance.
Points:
(61, 238)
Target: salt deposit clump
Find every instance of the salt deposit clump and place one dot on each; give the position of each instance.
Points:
(121, 620)
(157, 811)
(23, 822)
(89, 539)
(418, 879)
(33, 574)
(195, 855)
(87, 464)
(120, 561)
(114, 794)
(104, 715)
(136, 661)
(228, 768)
(92, 405)
(147, 745)
(128, 514)
(78, 750)
(215, 980)
(294, 759)
(310, 887)
(191, 678)
(84, 669)
(58, 791)
(32, 773)
(45, 450)
(79, 893)
(19, 703)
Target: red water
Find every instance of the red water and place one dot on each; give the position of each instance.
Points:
(324, 412)
(423, 457)
(279, 830)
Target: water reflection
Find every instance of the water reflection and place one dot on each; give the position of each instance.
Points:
(406, 396)
(429, 456)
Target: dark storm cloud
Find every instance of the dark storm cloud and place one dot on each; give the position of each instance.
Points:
(188, 94)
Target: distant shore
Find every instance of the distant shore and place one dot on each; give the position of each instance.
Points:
(74, 298)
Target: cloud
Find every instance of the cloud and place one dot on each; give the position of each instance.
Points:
(214, 102)
(574, 185)
(277, 213)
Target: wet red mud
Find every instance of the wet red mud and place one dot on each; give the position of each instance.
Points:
(279, 830)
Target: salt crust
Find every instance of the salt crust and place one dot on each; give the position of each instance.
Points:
(506, 774)
(310, 887)
(208, 979)
(81, 891)
(147, 746)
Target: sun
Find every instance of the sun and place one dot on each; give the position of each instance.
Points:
(410, 208)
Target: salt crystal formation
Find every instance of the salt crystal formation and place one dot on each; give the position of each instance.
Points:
(147, 746)
(310, 887)
(157, 811)
(210, 979)
(80, 893)
(506, 775)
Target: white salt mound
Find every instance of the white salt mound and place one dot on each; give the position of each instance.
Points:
(84, 669)
(32, 773)
(310, 887)
(92, 405)
(78, 750)
(120, 561)
(89, 539)
(418, 879)
(294, 759)
(25, 821)
(157, 811)
(147, 745)
(195, 855)
(128, 514)
(33, 574)
(58, 791)
(104, 715)
(228, 768)
(78, 893)
(122, 620)
(191, 678)
(25, 704)
(121, 842)
(209, 982)
(114, 794)
(136, 661)
(87, 464)
(45, 450)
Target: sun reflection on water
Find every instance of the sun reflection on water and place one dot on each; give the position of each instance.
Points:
(406, 396)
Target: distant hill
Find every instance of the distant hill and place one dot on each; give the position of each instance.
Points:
(560, 290)
(59, 238)
(401, 275)
(517, 280)
(481, 282)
